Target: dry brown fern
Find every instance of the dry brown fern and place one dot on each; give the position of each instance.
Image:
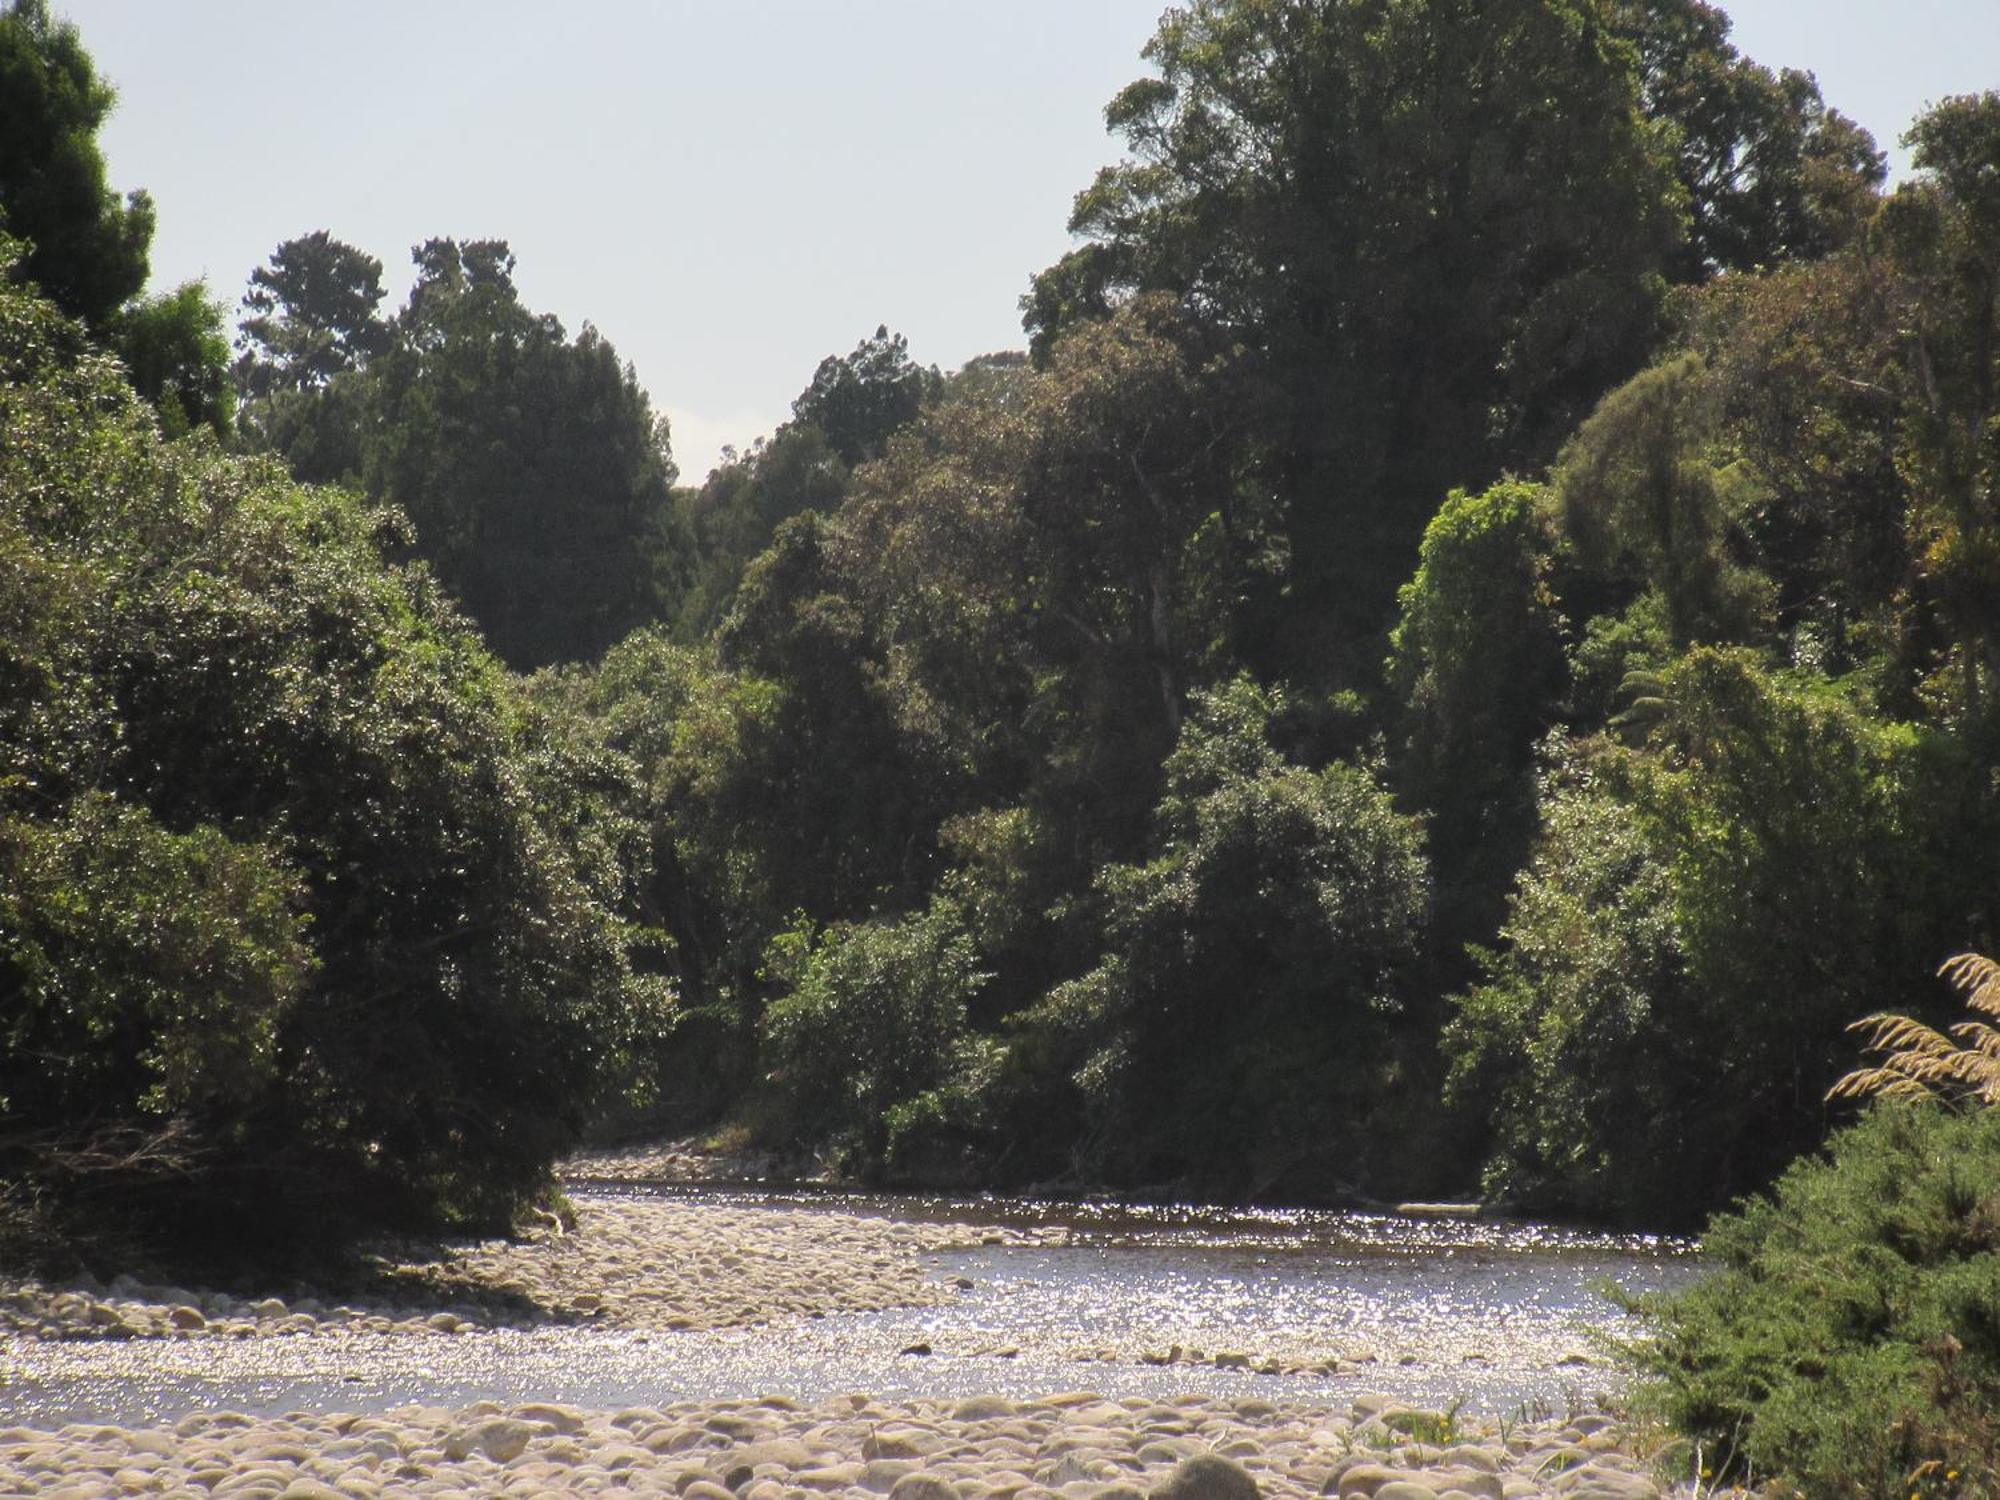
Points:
(1962, 1066)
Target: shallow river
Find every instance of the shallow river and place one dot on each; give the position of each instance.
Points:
(1497, 1315)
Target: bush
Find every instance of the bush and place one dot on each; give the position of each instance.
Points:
(290, 874)
(1849, 1338)
(1701, 919)
(875, 1020)
(1238, 1030)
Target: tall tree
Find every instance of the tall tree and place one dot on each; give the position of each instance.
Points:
(844, 418)
(1944, 233)
(858, 401)
(532, 465)
(1438, 224)
(89, 249)
(1771, 173)
(312, 314)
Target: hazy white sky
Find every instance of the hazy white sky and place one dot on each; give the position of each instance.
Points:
(730, 189)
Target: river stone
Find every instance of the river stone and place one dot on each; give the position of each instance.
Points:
(896, 1443)
(828, 1477)
(309, 1489)
(1473, 1456)
(1405, 1489)
(1362, 1478)
(499, 1438)
(879, 1475)
(922, 1486)
(707, 1489)
(1207, 1477)
(1067, 1470)
(786, 1453)
(982, 1409)
(564, 1419)
(1591, 1483)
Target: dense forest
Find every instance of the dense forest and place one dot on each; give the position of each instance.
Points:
(1460, 658)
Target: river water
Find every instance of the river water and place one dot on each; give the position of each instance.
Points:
(1499, 1316)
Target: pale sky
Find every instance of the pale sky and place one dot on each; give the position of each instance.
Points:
(731, 189)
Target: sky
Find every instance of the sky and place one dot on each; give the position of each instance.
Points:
(730, 190)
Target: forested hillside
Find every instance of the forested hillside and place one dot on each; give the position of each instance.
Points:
(1462, 656)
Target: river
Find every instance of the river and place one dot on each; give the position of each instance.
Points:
(1500, 1316)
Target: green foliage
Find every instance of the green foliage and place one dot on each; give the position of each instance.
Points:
(1849, 1336)
(312, 315)
(1300, 896)
(295, 881)
(1437, 228)
(1693, 935)
(1476, 660)
(1770, 173)
(146, 974)
(844, 418)
(1577, 1047)
(1943, 231)
(178, 355)
(860, 805)
(87, 250)
(1802, 368)
(1642, 493)
(699, 739)
(873, 1021)
(863, 400)
(532, 466)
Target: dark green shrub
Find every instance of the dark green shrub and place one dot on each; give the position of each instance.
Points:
(292, 879)
(875, 1019)
(1849, 1338)
(1239, 1027)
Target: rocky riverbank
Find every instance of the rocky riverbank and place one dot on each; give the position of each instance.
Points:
(1068, 1447)
(657, 1265)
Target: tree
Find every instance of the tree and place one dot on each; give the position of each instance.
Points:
(859, 401)
(1770, 173)
(842, 420)
(1438, 228)
(1944, 234)
(875, 1018)
(178, 356)
(311, 316)
(533, 467)
(1695, 930)
(1842, 1340)
(1236, 1032)
(88, 250)
(301, 905)
(1645, 494)
(1476, 662)
(1804, 375)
